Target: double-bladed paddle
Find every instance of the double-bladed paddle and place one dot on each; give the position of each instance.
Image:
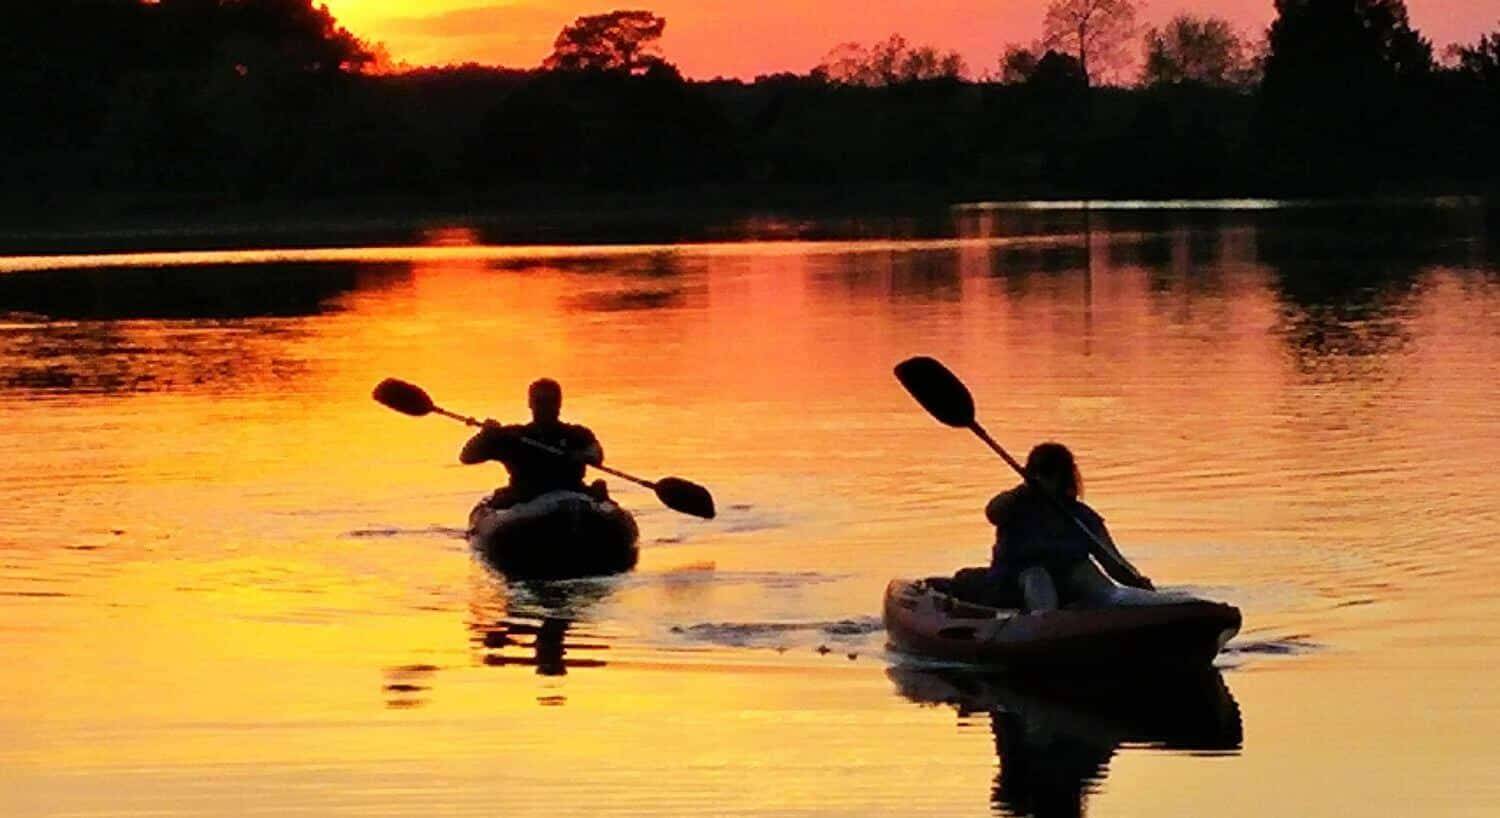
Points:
(946, 398)
(674, 492)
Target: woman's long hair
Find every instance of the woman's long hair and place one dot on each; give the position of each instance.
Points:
(1054, 463)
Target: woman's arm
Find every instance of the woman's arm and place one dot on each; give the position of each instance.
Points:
(1114, 563)
(999, 508)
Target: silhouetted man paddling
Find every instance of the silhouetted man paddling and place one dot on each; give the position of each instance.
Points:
(534, 471)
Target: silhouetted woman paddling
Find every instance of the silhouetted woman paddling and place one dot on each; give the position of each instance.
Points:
(1042, 552)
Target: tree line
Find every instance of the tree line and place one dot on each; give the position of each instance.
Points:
(268, 99)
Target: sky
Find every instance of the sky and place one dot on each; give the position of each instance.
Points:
(708, 38)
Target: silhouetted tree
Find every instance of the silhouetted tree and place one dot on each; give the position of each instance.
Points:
(1338, 39)
(130, 89)
(1053, 118)
(1481, 60)
(1470, 98)
(1059, 75)
(282, 36)
(890, 62)
(272, 98)
(1017, 64)
(617, 41)
(1343, 86)
(604, 129)
(1096, 32)
(1201, 50)
(57, 60)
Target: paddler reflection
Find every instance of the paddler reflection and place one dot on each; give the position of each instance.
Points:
(532, 622)
(1055, 738)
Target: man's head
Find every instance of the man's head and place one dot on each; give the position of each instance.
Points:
(545, 398)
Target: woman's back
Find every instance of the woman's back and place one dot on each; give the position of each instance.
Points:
(1031, 530)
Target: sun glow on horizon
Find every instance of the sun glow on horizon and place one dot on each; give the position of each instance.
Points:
(716, 38)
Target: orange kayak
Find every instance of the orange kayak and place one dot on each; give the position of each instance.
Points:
(1132, 630)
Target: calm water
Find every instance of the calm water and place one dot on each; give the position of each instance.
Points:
(230, 584)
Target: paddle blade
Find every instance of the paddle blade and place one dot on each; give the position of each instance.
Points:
(939, 391)
(406, 398)
(686, 497)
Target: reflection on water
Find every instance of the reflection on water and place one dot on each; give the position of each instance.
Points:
(209, 291)
(406, 686)
(137, 329)
(106, 358)
(1347, 297)
(546, 651)
(1054, 738)
(1289, 409)
(535, 629)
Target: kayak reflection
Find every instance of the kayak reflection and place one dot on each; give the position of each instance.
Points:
(534, 625)
(1054, 738)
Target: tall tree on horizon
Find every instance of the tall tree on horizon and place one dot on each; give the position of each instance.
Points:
(1482, 59)
(1096, 32)
(276, 35)
(1196, 50)
(1343, 91)
(1346, 37)
(618, 41)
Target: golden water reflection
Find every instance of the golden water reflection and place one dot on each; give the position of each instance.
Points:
(1054, 738)
(226, 577)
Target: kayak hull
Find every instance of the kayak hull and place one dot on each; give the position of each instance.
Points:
(559, 535)
(1136, 630)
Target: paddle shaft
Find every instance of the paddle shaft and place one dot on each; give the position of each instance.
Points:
(537, 444)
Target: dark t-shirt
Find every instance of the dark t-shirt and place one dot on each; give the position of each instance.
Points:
(533, 471)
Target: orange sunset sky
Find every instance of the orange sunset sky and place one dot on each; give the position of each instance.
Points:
(707, 38)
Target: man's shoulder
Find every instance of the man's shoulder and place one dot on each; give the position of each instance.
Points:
(578, 431)
(572, 433)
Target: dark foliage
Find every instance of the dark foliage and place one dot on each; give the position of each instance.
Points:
(617, 41)
(1191, 50)
(213, 100)
(607, 128)
(1344, 102)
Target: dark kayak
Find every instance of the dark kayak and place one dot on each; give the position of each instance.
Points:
(1133, 630)
(559, 535)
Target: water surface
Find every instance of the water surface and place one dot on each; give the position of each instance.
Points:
(231, 584)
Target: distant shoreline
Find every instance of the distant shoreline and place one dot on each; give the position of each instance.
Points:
(559, 216)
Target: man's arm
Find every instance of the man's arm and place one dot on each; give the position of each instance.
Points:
(589, 451)
(491, 443)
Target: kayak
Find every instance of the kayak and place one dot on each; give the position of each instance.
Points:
(559, 535)
(1132, 630)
